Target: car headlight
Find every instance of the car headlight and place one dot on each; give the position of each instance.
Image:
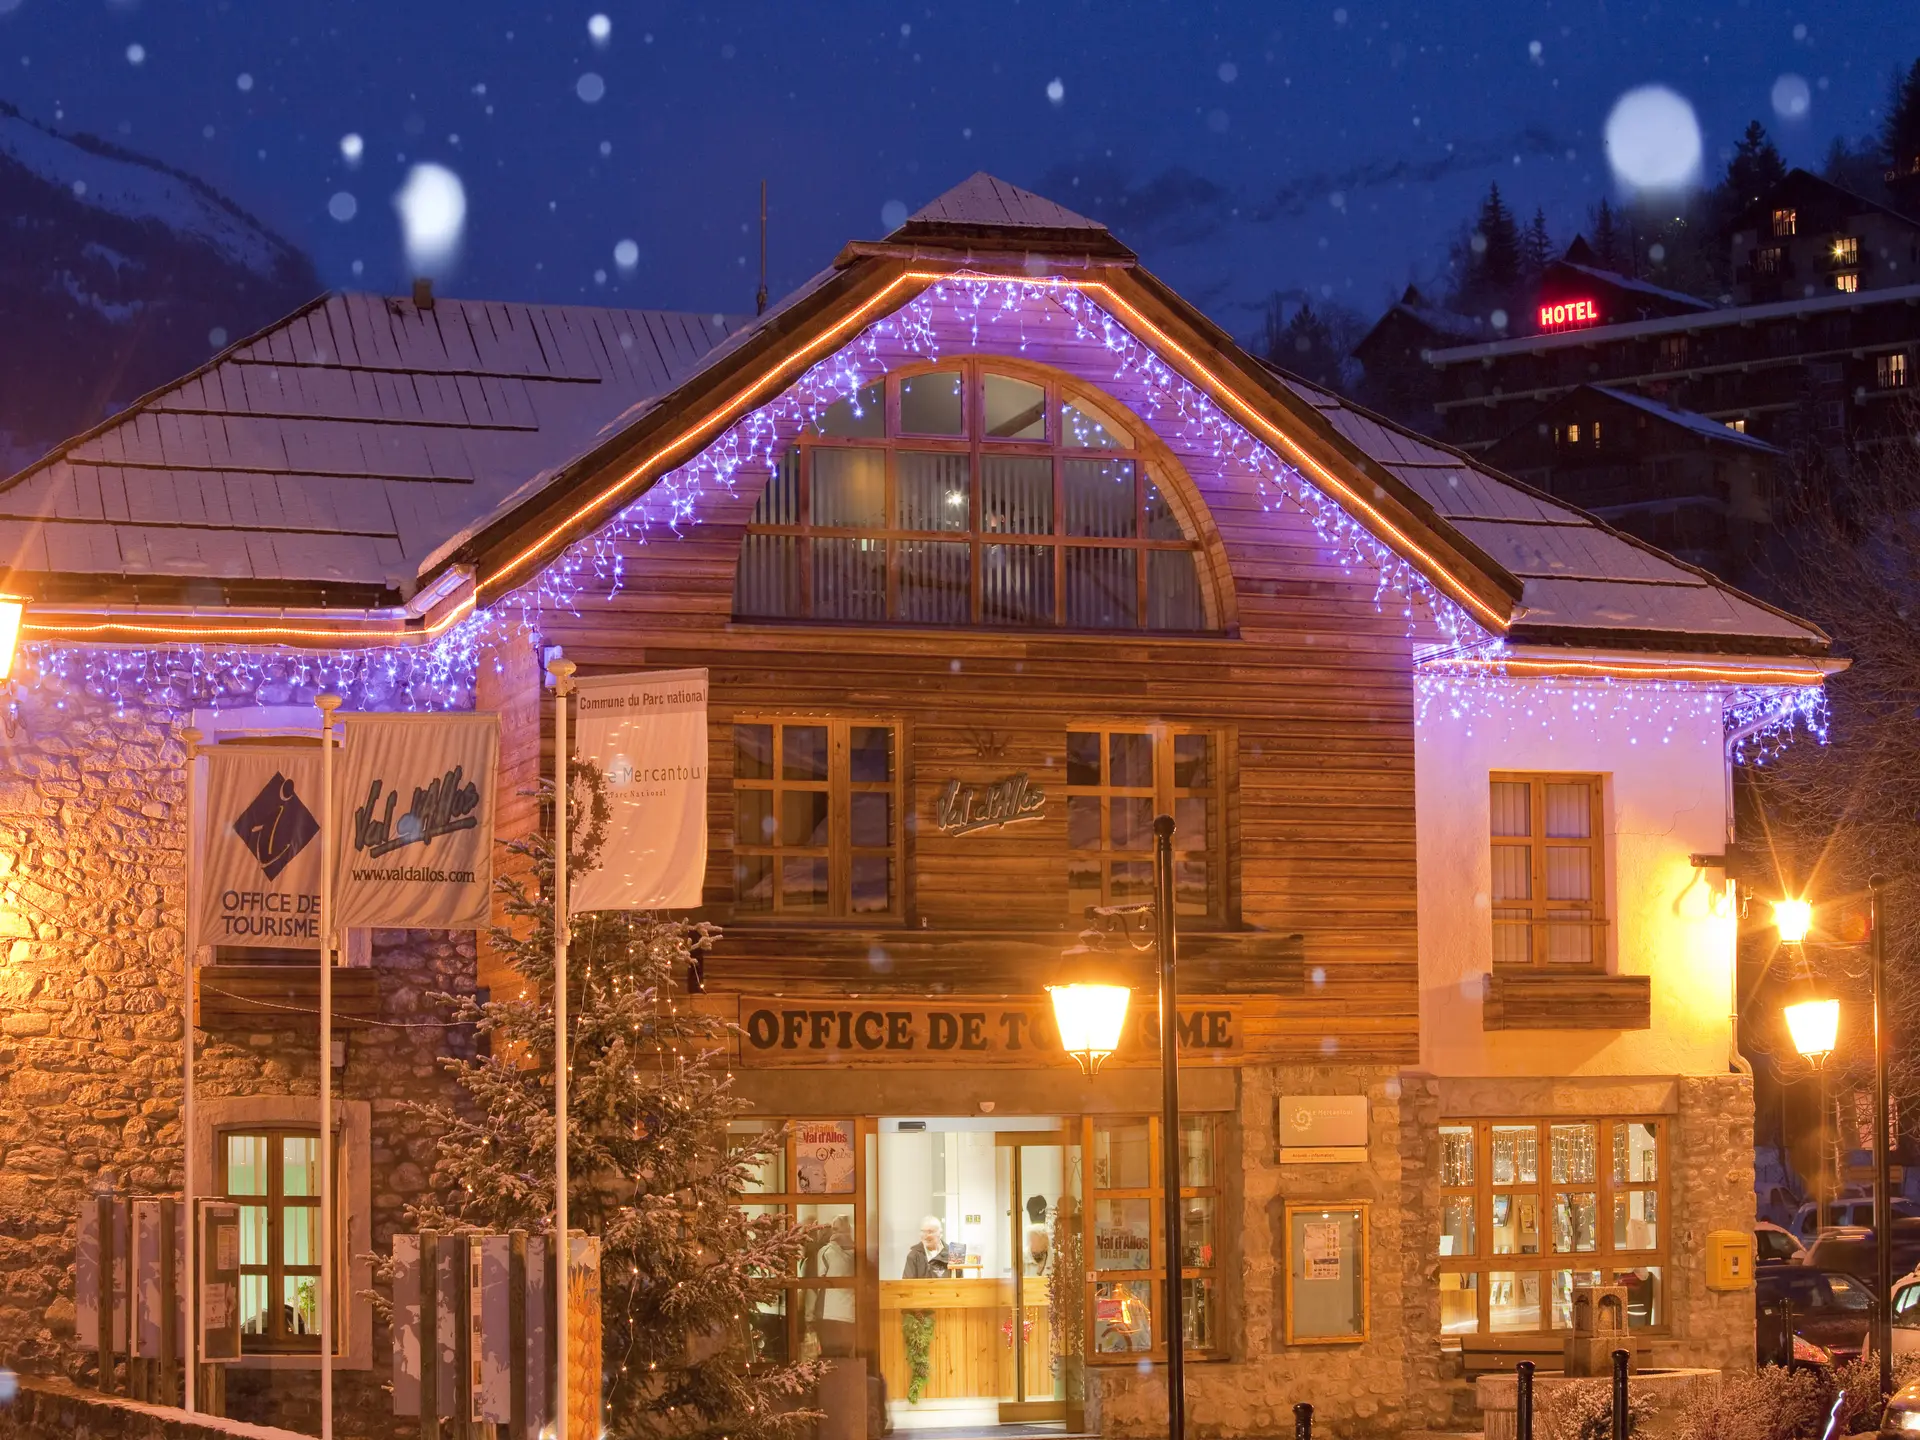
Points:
(1900, 1418)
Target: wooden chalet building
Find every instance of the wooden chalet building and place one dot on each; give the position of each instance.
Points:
(983, 501)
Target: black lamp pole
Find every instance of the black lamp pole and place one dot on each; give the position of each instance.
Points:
(1170, 1166)
(1882, 1186)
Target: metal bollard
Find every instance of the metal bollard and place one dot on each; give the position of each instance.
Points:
(1523, 1401)
(1303, 1421)
(1621, 1413)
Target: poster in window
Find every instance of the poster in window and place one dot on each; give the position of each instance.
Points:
(1327, 1270)
(1323, 1249)
(823, 1156)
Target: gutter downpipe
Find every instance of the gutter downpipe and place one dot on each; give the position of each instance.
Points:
(1738, 1062)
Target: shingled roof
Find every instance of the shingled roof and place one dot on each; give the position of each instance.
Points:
(1583, 582)
(339, 448)
(363, 445)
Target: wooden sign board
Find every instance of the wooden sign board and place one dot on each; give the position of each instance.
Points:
(961, 1032)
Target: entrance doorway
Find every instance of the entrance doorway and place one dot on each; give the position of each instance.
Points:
(977, 1225)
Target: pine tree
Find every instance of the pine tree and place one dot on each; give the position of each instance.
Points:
(683, 1268)
(1900, 131)
(1756, 167)
(1610, 246)
(1303, 344)
(1536, 248)
(1499, 265)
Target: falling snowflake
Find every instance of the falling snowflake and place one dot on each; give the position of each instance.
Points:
(1056, 91)
(893, 215)
(600, 28)
(1792, 97)
(343, 207)
(626, 254)
(136, 54)
(244, 81)
(1653, 140)
(433, 213)
(352, 147)
(590, 88)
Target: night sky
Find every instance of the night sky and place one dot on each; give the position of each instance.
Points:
(1315, 148)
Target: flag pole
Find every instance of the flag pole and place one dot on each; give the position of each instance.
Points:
(190, 1341)
(562, 671)
(327, 704)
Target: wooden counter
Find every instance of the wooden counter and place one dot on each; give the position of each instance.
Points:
(971, 1357)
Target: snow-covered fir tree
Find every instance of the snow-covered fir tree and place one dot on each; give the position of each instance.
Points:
(684, 1269)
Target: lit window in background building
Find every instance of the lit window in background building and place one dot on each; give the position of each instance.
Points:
(1785, 222)
(1893, 370)
(1847, 284)
(1846, 249)
(1739, 425)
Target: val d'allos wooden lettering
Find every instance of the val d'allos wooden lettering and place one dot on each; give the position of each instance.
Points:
(780, 1032)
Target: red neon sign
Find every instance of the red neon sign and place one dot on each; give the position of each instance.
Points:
(1569, 312)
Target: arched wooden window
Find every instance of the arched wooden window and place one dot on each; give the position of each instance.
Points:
(970, 495)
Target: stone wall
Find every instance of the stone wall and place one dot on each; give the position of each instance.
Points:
(47, 1408)
(1712, 1189)
(1390, 1382)
(92, 874)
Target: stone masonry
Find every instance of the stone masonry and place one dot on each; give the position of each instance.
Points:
(1388, 1383)
(92, 873)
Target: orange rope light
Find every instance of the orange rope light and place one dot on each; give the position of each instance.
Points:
(1632, 670)
(221, 629)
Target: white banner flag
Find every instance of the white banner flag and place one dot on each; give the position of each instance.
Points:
(413, 802)
(648, 735)
(259, 876)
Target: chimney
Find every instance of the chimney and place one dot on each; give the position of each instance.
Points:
(423, 294)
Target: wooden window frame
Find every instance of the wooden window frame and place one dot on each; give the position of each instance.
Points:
(1151, 465)
(1604, 1258)
(1164, 794)
(839, 852)
(277, 1341)
(797, 1288)
(1538, 907)
(1156, 1274)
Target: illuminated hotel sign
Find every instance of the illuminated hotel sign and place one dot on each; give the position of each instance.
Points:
(1569, 314)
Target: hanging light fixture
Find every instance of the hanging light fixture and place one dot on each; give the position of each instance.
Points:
(1793, 919)
(1814, 1025)
(1088, 1010)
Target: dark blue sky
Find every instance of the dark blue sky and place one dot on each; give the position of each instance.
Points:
(1319, 146)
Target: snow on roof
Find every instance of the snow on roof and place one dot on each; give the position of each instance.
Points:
(1705, 426)
(985, 200)
(1583, 581)
(346, 443)
(1625, 282)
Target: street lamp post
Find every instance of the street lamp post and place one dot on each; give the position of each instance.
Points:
(1090, 1014)
(1882, 1187)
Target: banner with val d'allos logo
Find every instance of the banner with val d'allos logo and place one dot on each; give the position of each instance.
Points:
(259, 879)
(413, 804)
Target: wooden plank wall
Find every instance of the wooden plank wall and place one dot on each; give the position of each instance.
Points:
(1314, 692)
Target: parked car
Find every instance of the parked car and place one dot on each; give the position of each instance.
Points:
(1809, 1316)
(1773, 1243)
(1902, 1416)
(1846, 1210)
(1906, 1315)
(1850, 1249)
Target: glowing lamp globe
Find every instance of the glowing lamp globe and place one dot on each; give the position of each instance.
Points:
(1089, 1016)
(12, 612)
(1793, 919)
(1814, 1024)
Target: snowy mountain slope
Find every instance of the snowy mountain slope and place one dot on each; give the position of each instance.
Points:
(117, 274)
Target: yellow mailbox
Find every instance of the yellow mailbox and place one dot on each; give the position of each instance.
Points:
(1729, 1260)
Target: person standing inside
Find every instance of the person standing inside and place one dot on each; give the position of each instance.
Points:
(834, 1318)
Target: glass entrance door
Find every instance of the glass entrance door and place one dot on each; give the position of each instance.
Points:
(1042, 1288)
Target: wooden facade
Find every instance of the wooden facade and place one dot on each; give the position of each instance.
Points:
(1307, 684)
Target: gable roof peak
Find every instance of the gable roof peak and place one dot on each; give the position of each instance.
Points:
(985, 210)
